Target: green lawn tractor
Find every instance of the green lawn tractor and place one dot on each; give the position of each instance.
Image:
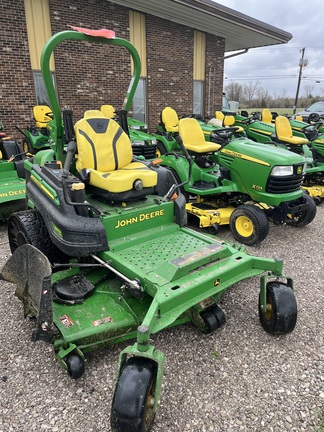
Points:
(298, 137)
(133, 124)
(312, 119)
(12, 173)
(169, 126)
(236, 182)
(38, 137)
(103, 254)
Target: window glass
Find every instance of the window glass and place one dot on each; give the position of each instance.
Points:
(41, 95)
(198, 97)
(139, 101)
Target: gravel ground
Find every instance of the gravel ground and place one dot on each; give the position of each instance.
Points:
(237, 379)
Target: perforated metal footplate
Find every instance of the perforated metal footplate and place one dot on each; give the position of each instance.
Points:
(166, 256)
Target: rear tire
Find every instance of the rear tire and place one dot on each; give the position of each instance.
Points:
(28, 227)
(27, 147)
(249, 224)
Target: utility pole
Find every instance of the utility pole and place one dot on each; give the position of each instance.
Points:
(302, 63)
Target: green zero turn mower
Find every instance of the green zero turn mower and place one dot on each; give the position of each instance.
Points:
(104, 255)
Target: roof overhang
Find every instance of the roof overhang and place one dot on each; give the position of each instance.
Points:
(239, 31)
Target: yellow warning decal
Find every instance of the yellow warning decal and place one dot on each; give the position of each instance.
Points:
(245, 157)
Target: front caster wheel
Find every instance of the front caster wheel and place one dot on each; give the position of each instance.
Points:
(133, 402)
(75, 365)
(281, 314)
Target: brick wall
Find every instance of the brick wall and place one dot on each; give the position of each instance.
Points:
(214, 73)
(88, 76)
(169, 67)
(17, 96)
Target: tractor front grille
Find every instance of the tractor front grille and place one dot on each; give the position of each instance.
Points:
(285, 184)
(146, 150)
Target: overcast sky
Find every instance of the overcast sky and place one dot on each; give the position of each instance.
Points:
(279, 64)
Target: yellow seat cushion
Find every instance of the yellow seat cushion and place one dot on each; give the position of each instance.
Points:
(170, 119)
(193, 137)
(219, 116)
(123, 179)
(93, 113)
(284, 132)
(108, 111)
(266, 116)
(105, 149)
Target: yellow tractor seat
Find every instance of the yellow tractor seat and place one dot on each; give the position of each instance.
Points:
(299, 118)
(193, 137)
(108, 111)
(104, 152)
(41, 116)
(266, 116)
(284, 132)
(219, 116)
(229, 121)
(170, 120)
(93, 113)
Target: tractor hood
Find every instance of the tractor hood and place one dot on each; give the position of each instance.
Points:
(262, 154)
(262, 128)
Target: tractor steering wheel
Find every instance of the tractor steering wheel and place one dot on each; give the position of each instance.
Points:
(225, 134)
(316, 126)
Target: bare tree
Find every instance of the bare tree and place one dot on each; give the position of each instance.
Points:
(234, 91)
(250, 91)
(308, 90)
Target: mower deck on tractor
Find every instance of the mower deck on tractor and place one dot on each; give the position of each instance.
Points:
(125, 264)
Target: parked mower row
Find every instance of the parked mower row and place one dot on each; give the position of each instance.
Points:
(103, 253)
(296, 136)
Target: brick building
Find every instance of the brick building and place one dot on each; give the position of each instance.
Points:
(182, 44)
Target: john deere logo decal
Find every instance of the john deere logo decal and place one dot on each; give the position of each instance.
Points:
(299, 170)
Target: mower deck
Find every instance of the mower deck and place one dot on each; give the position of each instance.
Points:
(177, 268)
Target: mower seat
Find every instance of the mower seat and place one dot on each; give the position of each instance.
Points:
(193, 137)
(104, 154)
(219, 116)
(93, 113)
(229, 121)
(284, 132)
(40, 116)
(108, 111)
(170, 120)
(299, 118)
(266, 116)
